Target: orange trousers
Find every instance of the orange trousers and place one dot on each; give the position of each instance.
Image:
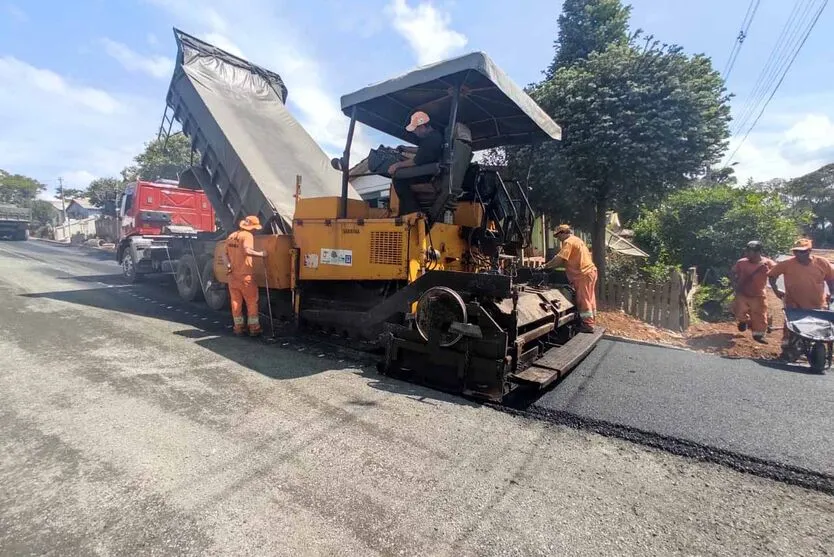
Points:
(752, 310)
(244, 289)
(586, 295)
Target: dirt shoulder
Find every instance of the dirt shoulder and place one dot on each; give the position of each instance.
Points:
(723, 339)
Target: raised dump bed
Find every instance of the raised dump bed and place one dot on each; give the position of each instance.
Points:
(252, 148)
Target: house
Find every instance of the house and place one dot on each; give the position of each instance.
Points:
(81, 208)
(373, 188)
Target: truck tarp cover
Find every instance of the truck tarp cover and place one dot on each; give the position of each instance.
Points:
(244, 121)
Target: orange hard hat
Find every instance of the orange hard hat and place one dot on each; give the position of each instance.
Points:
(419, 118)
(250, 223)
(803, 244)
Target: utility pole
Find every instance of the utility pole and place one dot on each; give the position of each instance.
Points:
(63, 207)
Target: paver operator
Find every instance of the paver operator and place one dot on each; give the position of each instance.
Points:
(240, 249)
(429, 150)
(750, 285)
(581, 271)
(806, 276)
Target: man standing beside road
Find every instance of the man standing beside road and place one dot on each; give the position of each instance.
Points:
(750, 285)
(240, 249)
(581, 271)
(806, 276)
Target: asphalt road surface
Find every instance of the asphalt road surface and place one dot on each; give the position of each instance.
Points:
(132, 423)
(768, 411)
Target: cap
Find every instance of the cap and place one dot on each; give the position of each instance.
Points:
(563, 228)
(803, 244)
(251, 223)
(755, 245)
(417, 119)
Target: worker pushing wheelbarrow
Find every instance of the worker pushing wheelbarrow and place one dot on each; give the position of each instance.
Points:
(809, 323)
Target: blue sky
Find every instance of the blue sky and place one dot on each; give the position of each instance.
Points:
(82, 84)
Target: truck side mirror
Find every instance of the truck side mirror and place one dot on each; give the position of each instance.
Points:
(336, 163)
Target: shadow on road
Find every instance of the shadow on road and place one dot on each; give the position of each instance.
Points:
(211, 330)
(776, 365)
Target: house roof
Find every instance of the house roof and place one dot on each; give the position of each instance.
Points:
(84, 203)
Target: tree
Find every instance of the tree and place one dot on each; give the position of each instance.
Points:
(708, 227)
(639, 120)
(17, 189)
(814, 192)
(161, 159)
(104, 191)
(587, 26)
(43, 212)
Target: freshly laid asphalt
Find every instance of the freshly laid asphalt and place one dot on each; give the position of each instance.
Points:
(780, 414)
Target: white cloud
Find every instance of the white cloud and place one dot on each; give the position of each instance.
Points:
(55, 127)
(159, 67)
(262, 36)
(14, 72)
(152, 39)
(798, 143)
(426, 29)
(16, 13)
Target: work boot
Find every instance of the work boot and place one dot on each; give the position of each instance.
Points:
(759, 338)
(742, 327)
(255, 331)
(585, 328)
(239, 331)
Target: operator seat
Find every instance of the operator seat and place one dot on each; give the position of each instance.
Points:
(436, 186)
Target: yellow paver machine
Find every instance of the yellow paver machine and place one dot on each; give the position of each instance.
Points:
(443, 290)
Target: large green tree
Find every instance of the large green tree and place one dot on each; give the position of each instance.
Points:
(708, 226)
(640, 119)
(587, 26)
(17, 189)
(161, 158)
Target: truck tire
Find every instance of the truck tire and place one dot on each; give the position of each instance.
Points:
(129, 267)
(22, 235)
(216, 298)
(188, 278)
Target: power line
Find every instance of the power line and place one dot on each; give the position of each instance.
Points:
(777, 58)
(752, 8)
(781, 78)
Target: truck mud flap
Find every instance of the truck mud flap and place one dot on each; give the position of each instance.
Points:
(558, 362)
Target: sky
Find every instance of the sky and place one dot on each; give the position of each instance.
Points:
(83, 83)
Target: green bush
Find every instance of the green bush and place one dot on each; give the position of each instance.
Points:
(708, 227)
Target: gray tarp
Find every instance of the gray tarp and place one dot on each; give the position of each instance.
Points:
(239, 110)
(496, 110)
(811, 324)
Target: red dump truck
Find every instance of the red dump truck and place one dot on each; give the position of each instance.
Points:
(165, 228)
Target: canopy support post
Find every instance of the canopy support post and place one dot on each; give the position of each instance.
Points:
(345, 163)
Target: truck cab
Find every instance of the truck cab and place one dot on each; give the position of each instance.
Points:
(149, 208)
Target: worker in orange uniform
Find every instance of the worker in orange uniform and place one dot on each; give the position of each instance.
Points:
(581, 271)
(240, 249)
(805, 278)
(750, 285)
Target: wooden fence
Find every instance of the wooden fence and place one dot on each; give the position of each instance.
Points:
(666, 305)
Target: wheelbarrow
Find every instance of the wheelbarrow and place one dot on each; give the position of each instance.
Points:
(810, 333)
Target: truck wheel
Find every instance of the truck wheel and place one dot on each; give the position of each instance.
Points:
(215, 293)
(22, 235)
(129, 268)
(188, 282)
